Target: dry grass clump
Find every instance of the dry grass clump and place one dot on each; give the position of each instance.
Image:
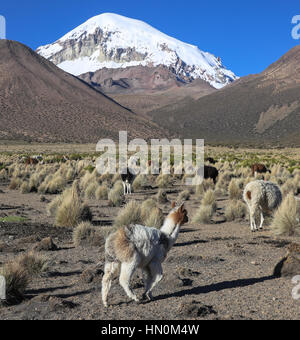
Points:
(164, 181)
(130, 214)
(184, 196)
(17, 280)
(203, 214)
(234, 190)
(15, 183)
(18, 273)
(207, 184)
(56, 202)
(71, 210)
(140, 182)
(146, 207)
(155, 218)
(291, 185)
(116, 194)
(85, 234)
(102, 192)
(34, 263)
(25, 188)
(56, 185)
(287, 217)
(90, 190)
(209, 199)
(235, 210)
(208, 206)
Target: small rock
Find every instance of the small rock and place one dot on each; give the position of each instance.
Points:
(91, 274)
(195, 309)
(46, 244)
(289, 265)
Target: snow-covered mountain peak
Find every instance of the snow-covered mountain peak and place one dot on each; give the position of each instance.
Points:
(114, 41)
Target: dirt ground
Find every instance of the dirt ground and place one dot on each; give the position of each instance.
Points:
(214, 271)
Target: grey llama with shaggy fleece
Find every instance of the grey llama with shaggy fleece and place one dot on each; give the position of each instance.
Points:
(263, 197)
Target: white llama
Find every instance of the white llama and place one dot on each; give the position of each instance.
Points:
(137, 246)
(261, 196)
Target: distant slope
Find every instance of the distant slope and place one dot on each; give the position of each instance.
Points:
(262, 109)
(143, 89)
(40, 102)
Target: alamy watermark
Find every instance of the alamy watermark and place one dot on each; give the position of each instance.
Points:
(161, 156)
(2, 27)
(296, 29)
(296, 289)
(2, 288)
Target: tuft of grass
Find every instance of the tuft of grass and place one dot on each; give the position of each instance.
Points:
(287, 217)
(116, 194)
(72, 211)
(203, 214)
(164, 181)
(234, 210)
(140, 182)
(85, 234)
(184, 196)
(17, 280)
(102, 192)
(234, 190)
(146, 208)
(34, 263)
(90, 191)
(209, 199)
(155, 219)
(130, 214)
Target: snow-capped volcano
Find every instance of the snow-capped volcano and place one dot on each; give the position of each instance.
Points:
(113, 41)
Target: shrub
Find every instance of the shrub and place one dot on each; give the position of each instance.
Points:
(209, 199)
(235, 209)
(146, 208)
(140, 182)
(234, 190)
(116, 194)
(203, 214)
(33, 263)
(155, 219)
(72, 211)
(184, 196)
(17, 279)
(287, 217)
(163, 181)
(102, 192)
(130, 214)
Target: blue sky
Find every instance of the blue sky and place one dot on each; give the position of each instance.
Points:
(247, 37)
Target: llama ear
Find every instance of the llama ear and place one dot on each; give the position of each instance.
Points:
(181, 208)
(173, 205)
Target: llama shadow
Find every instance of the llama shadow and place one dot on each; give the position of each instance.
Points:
(189, 243)
(216, 287)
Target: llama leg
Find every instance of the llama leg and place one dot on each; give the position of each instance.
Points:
(252, 219)
(127, 269)
(156, 276)
(261, 219)
(109, 272)
(129, 186)
(124, 187)
(147, 278)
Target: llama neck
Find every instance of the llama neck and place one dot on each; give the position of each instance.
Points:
(168, 227)
(171, 230)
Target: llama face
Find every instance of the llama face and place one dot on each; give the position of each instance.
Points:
(179, 216)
